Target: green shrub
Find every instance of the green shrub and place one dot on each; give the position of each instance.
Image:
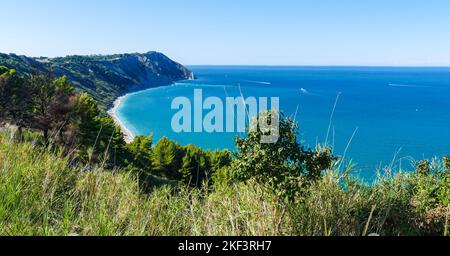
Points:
(284, 166)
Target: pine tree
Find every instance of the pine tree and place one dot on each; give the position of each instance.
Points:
(15, 105)
(195, 168)
(52, 103)
(167, 158)
(141, 154)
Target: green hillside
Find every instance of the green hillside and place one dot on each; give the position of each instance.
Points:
(104, 77)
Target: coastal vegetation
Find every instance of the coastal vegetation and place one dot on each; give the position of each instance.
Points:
(65, 169)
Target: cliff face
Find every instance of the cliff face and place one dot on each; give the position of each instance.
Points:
(105, 77)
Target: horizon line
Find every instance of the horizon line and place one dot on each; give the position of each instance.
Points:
(247, 65)
(317, 65)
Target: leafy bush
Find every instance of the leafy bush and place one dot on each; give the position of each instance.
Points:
(285, 166)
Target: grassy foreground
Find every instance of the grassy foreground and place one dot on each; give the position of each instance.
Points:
(42, 193)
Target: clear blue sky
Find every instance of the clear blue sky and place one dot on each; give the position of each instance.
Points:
(297, 32)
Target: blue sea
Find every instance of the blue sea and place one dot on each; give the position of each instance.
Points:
(383, 116)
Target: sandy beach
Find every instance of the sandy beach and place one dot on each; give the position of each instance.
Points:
(128, 135)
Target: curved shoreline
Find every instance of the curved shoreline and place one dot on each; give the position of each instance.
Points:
(127, 134)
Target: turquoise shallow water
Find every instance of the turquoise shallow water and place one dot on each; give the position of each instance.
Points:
(402, 112)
